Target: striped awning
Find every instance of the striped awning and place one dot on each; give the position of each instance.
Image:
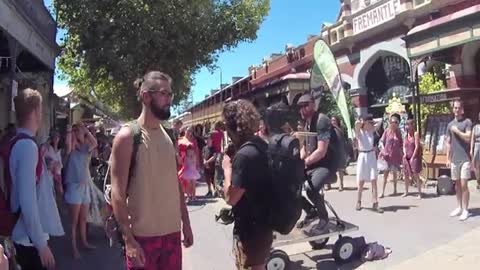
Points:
(445, 32)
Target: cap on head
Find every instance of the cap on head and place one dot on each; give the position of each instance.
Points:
(305, 98)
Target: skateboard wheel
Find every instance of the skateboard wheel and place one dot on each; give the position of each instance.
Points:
(318, 244)
(278, 260)
(344, 250)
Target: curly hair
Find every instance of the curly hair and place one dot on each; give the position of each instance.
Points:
(241, 117)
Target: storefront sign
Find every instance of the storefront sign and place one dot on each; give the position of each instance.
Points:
(440, 97)
(376, 16)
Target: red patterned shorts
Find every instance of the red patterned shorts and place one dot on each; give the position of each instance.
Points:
(161, 252)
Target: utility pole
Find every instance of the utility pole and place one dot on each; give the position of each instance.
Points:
(221, 81)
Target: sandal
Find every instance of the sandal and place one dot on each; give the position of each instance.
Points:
(376, 208)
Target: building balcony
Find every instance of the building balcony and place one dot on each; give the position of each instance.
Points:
(39, 17)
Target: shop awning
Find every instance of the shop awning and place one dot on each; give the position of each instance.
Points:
(445, 32)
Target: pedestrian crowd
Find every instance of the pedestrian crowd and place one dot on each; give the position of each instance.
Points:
(154, 172)
(40, 176)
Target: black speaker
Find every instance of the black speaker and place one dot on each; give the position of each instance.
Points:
(445, 186)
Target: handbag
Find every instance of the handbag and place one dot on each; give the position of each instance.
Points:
(382, 165)
(97, 211)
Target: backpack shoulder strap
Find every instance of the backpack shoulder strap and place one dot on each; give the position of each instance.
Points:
(137, 140)
(6, 150)
(23, 136)
(171, 134)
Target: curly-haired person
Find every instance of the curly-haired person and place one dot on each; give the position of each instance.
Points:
(246, 183)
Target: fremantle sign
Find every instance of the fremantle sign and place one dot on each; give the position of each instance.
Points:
(376, 16)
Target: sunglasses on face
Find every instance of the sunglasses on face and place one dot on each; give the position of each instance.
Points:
(163, 93)
(393, 122)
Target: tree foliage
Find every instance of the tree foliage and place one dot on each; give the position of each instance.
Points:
(109, 43)
(430, 83)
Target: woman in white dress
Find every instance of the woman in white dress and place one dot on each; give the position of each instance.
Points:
(367, 160)
(53, 155)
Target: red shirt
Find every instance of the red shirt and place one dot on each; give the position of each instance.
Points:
(217, 139)
(183, 143)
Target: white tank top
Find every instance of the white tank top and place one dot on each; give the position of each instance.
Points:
(365, 140)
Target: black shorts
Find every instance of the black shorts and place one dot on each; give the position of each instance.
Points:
(321, 176)
(252, 251)
(209, 173)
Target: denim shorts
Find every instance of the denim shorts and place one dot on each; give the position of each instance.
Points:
(460, 171)
(77, 193)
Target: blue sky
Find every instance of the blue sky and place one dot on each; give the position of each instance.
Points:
(289, 21)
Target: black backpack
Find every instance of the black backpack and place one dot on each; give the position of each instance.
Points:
(287, 172)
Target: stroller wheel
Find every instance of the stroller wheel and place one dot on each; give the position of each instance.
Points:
(319, 244)
(278, 260)
(344, 250)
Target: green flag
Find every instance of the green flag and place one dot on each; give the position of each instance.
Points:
(325, 75)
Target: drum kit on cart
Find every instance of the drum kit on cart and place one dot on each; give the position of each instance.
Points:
(344, 249)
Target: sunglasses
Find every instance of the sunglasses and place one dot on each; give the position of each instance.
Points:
(164, 93)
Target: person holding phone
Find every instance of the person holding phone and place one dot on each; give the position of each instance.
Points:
(367, 160)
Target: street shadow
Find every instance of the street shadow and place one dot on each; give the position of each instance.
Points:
(353, 188)
(332, 265)
(103, 257)
(325, 262)
(395, 208)
(475, 212)
(429, 196)
(346, 188)
(201, 201)
(298, 265)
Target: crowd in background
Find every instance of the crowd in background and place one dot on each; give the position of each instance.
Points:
(64, 167)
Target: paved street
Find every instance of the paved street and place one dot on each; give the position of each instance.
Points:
(419, 232)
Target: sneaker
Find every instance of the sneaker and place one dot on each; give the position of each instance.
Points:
(309, 218)
(209, 194)
(456, 212)
(465, 215)
(317, 229)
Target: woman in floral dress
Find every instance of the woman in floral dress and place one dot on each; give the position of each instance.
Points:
(392, 151)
